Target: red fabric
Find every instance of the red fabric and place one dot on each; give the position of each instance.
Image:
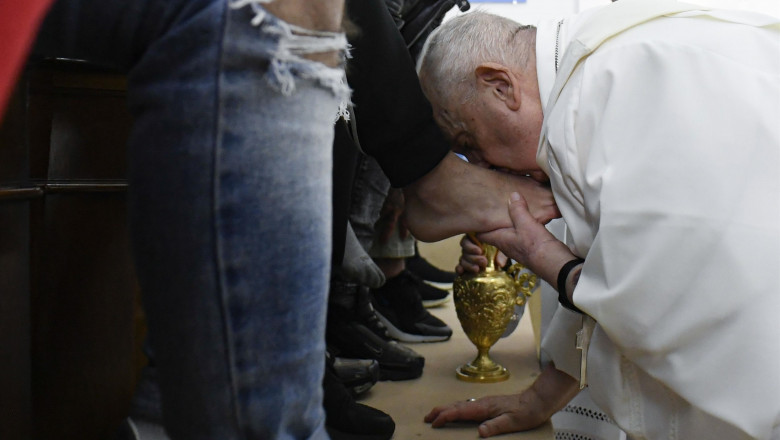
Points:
(19, 22)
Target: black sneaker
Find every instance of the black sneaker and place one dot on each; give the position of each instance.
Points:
(357, 375)
(145, 419)
(346, 419)
(356, 332)
(428, 272)
(352, 302)
(431, 296)
(399, 306)
(366, 315)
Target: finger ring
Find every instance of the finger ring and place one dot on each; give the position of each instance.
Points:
(471, 400)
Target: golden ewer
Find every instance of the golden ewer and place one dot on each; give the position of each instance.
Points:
(485, 303)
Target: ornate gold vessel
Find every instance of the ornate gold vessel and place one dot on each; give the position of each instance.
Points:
(485, 303)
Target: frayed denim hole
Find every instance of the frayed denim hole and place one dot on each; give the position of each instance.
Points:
(288, 62)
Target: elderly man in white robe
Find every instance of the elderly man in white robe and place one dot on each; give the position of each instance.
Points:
(658, 126)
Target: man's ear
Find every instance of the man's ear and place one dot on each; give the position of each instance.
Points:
(497, 79)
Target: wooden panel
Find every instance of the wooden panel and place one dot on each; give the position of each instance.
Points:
(70, 326)
(82, 353)
(15, 398)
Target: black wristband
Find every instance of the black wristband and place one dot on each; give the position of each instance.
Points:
(562, 276)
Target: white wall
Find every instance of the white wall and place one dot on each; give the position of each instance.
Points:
(532, 11)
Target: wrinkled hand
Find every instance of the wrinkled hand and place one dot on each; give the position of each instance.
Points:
(389, 216)
(550, 392)
(500, 414)
(472, 257)
(529, 242)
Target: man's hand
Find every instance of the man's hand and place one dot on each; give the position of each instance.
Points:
(550, 392)
(472, 257)
(529, 243)
(500, 414)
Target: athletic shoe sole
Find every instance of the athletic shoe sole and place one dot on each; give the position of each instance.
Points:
(445, 286)
(435, 302)
(396, 361)
(403, 336)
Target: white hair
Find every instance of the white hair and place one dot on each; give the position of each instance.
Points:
(455, 49)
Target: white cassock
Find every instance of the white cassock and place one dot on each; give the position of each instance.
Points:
(580, 418)
(663, 150)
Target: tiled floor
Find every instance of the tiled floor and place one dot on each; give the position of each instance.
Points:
(408, 401)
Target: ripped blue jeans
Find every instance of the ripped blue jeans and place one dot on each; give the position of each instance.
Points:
(229, 200)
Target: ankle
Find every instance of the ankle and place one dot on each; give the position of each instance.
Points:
(391, 267)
